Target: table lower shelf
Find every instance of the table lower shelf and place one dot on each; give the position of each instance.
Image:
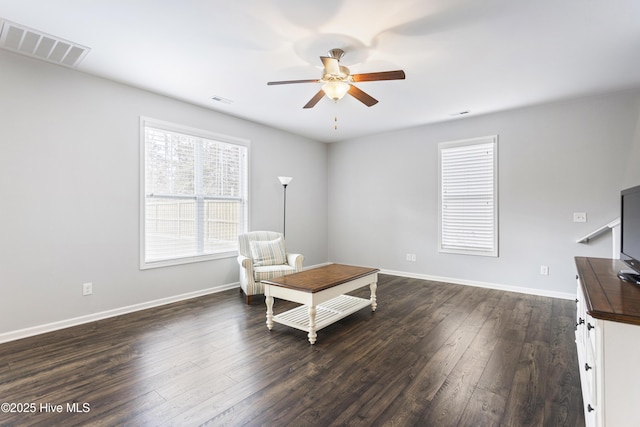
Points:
(327, 313)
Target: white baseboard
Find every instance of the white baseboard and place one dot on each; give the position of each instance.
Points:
(54, 326)
(529, 291)
(310, 267)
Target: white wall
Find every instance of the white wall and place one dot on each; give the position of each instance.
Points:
(554, 159)
(632, 166)
(69, 194)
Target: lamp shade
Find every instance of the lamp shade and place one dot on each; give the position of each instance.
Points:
(285, 180)
(335, 89)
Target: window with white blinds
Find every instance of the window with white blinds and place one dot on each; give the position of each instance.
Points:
(468, 208)
(193, 194)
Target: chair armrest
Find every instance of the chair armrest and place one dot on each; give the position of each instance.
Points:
(295, 260)
(245, 262)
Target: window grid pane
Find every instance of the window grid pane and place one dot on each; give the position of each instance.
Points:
(195, 195)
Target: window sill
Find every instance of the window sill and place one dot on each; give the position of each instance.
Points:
(187, 260)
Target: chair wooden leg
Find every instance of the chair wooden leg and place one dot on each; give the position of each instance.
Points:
(249, 297)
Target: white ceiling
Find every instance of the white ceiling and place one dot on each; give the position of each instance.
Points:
(458, 55)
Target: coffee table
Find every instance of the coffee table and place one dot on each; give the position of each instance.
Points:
(322, 291)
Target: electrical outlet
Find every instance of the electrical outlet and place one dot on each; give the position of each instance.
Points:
(87, 289)
(579, 217)
(544, 270)
(411, 257)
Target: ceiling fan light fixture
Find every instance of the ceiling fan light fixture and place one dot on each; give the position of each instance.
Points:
(335, 89)
(337, 81)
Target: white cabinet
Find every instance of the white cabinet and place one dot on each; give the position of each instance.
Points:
(587, 361)
(608, 346)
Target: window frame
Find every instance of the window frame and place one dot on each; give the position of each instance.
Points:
(467, 249)
(196, 133)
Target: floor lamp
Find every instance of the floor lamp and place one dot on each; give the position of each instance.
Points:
(285, 180)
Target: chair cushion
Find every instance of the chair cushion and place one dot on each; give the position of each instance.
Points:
(271, 271)
(268, 252)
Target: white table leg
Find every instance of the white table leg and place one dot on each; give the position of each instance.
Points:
(374, 304)
(312, 324)
(269, 301)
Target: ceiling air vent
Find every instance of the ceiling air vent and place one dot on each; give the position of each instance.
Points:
(34, 43)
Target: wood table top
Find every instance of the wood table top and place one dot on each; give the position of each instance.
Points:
(607, 296)
(321, 278)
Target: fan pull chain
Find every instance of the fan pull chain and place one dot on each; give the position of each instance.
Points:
(335, 120)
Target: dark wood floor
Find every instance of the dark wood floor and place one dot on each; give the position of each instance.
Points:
(433, 354)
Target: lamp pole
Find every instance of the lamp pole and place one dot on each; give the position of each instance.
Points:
(285, 180)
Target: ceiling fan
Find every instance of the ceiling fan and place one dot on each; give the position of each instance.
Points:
(338, 81)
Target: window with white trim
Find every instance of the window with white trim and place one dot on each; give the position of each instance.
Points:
(193, 194)
(468, 204)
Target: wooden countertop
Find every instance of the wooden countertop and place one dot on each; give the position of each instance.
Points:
(608, 297)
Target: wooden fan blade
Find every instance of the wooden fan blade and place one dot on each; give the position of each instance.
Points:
(383, 75)
(317, 97)
(331, 65)
(366, 99)
(286, 82)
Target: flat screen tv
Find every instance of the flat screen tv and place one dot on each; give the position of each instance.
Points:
(630, 233)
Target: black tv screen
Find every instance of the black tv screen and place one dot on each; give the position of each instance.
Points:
(630, 230)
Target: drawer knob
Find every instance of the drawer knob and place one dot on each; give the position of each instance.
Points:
(590, 326)
(587, 367)
(580, 321)
(590, 408)
(577, 300)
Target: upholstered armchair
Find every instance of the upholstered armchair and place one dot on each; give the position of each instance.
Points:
(262, 256)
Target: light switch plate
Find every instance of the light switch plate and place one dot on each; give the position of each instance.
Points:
(579, 217)
(87, 289)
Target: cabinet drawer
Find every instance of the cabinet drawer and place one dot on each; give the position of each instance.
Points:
(590, 368)
(590, 419)
(589, 384)
(581, 316)
(591, 326)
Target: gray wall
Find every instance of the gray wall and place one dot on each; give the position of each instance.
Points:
(554, 159)
(69, 194)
